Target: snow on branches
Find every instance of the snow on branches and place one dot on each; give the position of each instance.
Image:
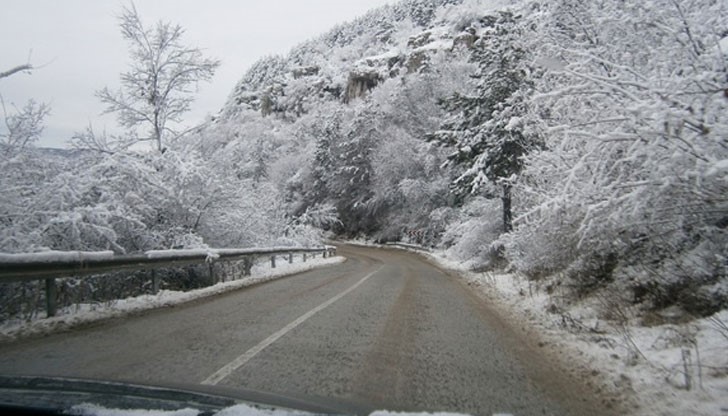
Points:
(636, 118)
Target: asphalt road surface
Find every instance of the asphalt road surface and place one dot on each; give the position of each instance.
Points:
(385, 330)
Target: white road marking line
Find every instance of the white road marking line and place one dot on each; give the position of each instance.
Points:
(225, 371)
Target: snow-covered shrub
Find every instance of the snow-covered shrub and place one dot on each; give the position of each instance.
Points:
(123, 202)
(471, 237)
(694, 277)
(309, 227)
(408, 186)
(542, 243)
(24, 177)
(636, 129)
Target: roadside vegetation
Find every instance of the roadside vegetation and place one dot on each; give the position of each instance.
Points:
(580, 145)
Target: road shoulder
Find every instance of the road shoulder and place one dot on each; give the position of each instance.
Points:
(84, 315)
(568, 372)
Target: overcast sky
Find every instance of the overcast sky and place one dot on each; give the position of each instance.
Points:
(78, 48)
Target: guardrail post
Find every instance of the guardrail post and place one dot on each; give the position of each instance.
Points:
(273, 261)
(51, 294)
(290, 258)
(211, 268)
(155, 282)
(247, 265)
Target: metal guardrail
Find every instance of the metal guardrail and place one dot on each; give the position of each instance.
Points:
(408, 246)
(58, 264)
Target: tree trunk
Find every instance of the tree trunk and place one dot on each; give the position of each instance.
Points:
(507, 214)
(157, 132)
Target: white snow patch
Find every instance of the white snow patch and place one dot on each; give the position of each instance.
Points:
(87, 409)
(392, 53)
(514, 123)
(719, 167)
(549, 63)
(723, 45)
(159, 254)
(84, 313)
(55, 256)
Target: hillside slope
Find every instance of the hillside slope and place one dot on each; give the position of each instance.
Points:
(580, 145)
(597, 133)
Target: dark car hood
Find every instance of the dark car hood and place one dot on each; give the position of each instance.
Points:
(57, 395)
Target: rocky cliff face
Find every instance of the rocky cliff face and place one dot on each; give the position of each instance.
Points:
(359, 84)
(352, 59)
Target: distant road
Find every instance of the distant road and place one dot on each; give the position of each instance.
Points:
(385, 330)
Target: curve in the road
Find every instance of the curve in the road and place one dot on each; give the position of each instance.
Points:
(385, 329)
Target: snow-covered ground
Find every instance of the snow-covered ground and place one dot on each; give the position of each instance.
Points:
(647, 368)
(84, 313)
(652, 366)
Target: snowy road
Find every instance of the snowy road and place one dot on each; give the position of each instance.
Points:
(384, 329)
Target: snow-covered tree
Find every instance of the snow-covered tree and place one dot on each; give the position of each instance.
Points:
(157, 89)
(24, 126)
(634, 105)
(326, 133)
(489, 128)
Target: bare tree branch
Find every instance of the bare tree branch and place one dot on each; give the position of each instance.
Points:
(19, 68)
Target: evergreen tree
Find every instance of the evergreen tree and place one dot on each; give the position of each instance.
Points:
(488, 129)
(323, 165)
(351, 184)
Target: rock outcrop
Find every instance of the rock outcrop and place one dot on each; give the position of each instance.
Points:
(360, 83)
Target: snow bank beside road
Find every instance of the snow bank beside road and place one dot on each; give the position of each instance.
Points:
(76, 315)
(647, 368)
(650, 367)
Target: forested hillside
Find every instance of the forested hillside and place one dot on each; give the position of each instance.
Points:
(585, 143)
(580, 140)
